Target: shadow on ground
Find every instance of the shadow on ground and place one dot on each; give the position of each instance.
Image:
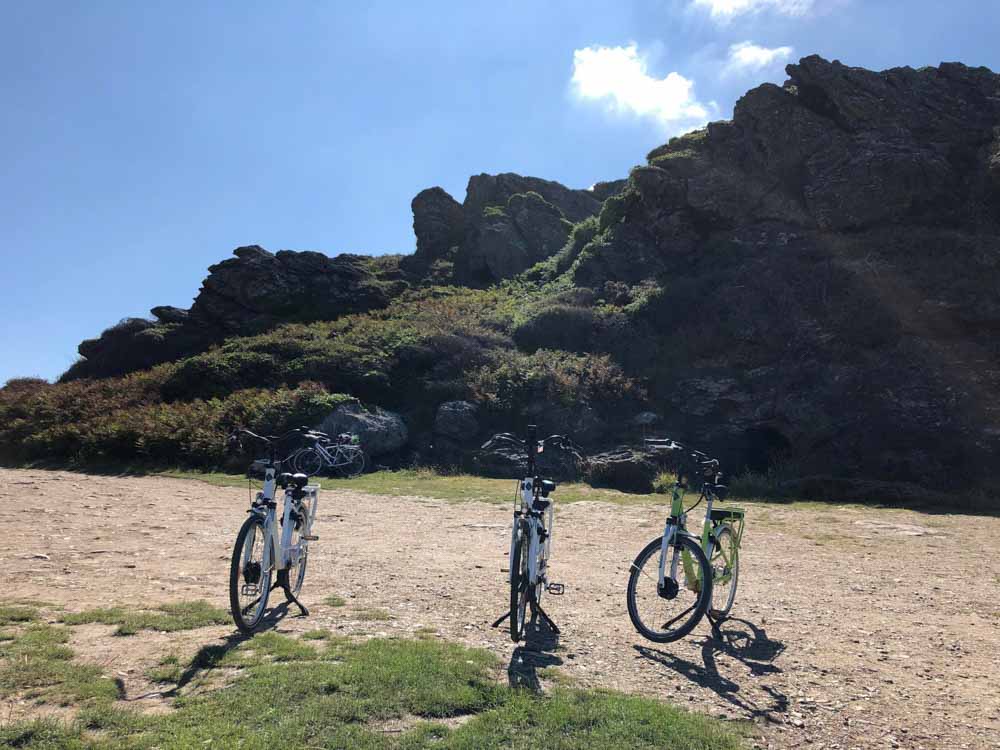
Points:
(743, 642)
(209, 657)
(535, 652)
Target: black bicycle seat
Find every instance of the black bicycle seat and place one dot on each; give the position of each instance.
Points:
(547, 487)
(300, 480)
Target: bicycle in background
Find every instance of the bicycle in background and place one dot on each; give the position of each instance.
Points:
(678, 578)
(269, 548)
(340, 455)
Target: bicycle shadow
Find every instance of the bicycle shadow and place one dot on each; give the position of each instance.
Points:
(744, 642)
(535, 652)
(209, 657)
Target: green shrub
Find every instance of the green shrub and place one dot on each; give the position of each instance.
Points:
(512, 381)
(93, 422)
(560, 327)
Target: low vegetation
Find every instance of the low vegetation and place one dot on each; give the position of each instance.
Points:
(36, 663)
(380, 693)
(166, 618)
(432, 484)
(429, 345)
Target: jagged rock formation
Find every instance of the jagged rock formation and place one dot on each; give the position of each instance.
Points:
(243, 295)
(821, 274)
(506, 225)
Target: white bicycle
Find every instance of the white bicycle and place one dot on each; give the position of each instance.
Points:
(531, 534)
(268, 548)
(341, 456)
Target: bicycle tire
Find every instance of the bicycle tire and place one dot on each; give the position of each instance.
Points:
(308, 461)
(238, 577)
(733, 569)
(519, 591)
(294, 576)
(694, 613)
(356, 464)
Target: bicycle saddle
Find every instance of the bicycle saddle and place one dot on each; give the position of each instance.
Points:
(286, 479)
(547, 487)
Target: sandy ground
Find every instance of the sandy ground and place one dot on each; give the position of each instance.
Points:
(853, 628)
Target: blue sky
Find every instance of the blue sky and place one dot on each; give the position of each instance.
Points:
(141, 142)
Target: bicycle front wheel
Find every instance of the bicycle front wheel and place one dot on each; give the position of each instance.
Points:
(308, 461)
(519, 580)
(725, 564)
(667, 612)
(249, 581)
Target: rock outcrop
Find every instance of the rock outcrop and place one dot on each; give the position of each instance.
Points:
(241, 296)
(380, 431)
(816, 280)
(506, 225)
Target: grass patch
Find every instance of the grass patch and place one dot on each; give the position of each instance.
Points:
(430, 484)
(316, 635)
(313, 702)
(334, 601)
(373, 615)
(10, 615)
(168, 670)
(167, 618)
(37, 664)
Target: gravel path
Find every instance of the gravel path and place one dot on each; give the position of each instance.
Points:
(854, 628)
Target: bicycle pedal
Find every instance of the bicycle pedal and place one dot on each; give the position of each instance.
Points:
(309, 537)
(556, 589)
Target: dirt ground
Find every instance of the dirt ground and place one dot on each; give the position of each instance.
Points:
(854, 627)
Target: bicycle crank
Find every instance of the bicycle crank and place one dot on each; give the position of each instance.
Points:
(251, 573)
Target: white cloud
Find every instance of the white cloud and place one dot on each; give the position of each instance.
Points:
(619, 77)
(723, 10)
(749, 57)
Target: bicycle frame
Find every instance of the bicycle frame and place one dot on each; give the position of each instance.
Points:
(677, 524)
(535, 524)
(282, 544)
(330, 458)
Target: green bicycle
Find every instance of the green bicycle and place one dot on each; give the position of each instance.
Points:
(678, 578)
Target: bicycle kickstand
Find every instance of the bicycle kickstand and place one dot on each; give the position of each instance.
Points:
(500, 619)
(715, 626)
(303, 611)
(548, 620)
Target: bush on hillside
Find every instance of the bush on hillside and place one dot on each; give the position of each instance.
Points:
(513, 382)
(123, 421)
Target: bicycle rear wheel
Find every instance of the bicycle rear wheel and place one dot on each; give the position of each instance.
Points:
(725, 563)
(356, 463)
(249, 582)
(308, 461)
(667, 613)
(519, 580)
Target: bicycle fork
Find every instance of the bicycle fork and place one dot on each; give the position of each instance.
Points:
(667, 584)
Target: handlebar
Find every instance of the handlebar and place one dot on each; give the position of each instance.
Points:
(692, 460)
(271, 441)
(559, 441)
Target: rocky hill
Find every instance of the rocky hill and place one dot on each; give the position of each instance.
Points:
(809, 289)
